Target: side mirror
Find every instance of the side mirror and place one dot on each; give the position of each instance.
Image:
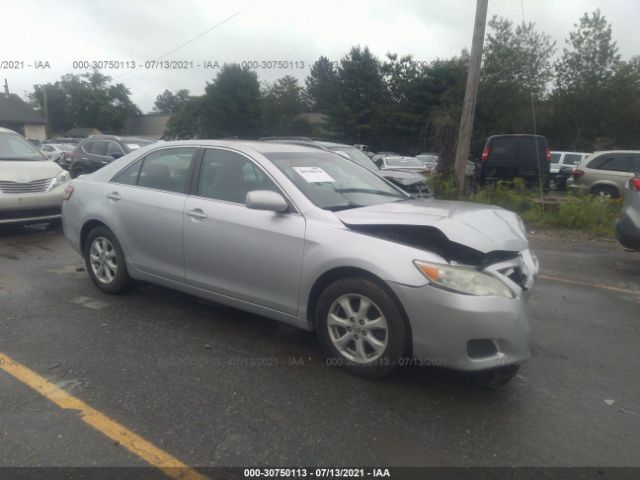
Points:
(116, 155)
(266, 200)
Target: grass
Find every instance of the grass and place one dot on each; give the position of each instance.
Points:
(578, 212)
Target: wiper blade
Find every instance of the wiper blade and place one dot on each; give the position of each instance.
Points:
(365, 190)
(337, 208)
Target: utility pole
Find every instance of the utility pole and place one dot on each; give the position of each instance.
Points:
(470, 94)
(46, 109)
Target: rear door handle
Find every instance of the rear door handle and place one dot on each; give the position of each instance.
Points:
(197, 213)
(115, 196)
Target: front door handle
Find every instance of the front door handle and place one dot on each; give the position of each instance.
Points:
(197, 213)
(115, 196)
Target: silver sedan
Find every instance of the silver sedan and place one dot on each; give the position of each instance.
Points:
(309, 238)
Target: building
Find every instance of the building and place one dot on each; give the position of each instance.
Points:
(17, 115)
(149, 125)
(81, 132)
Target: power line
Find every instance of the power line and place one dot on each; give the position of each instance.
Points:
(193, 39)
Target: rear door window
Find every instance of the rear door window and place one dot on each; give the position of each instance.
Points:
(531, 152)
(167, 169)
(503, 151)
(612, 163)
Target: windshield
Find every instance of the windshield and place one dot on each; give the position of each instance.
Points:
(404, 162)
(357, 156)
(334, 183)
(14, 147)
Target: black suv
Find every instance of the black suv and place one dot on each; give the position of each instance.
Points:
(96, 151)
(515, 156)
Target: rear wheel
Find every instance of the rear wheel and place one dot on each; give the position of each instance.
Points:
(605, 191)
(360, 327)
(105, 261)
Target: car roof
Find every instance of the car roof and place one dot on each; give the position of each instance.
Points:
(7, 130)
(601, 152)
(256, 145)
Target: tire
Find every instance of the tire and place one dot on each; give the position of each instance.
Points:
(113, 276)
(367, 351)
(605, 191)
(496, 377)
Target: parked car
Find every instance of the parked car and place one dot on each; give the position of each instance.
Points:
(628, 226)
(605, 174)
(412, 183)
(560, 159)
(61, 153)
(96, 151)
(309, 238)
(406, 164)
(31, 186)
(561, 163)
(505, 157)
(430, 161)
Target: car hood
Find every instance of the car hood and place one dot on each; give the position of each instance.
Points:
(403, 177)
(24, 171)
(482, 227)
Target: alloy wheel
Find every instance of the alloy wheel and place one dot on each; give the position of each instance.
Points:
(102, 256)
(357, 328)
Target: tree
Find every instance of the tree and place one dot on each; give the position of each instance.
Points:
(516, 68)
(359, 113)
(87, 100)
(282, 102)
(321, 86)
(584, 79)
(187, 122)
(169, 102)
(231, 104)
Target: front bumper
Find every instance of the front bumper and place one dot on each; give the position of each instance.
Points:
(31, 207)
(447, 328)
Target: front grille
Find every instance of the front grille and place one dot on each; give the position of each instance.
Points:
(37, 186)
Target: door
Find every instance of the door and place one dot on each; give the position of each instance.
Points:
(145, 206)
(251, 255)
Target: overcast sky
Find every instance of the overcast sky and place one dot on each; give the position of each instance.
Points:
(61, 32)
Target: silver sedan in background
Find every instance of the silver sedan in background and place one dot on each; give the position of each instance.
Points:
(309, 238)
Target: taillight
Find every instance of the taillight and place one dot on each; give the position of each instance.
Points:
(485, 154)
(548, 153)
(634, 184)
(68, 191)
(577, 173)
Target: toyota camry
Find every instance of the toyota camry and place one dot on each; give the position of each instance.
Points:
(314, 240)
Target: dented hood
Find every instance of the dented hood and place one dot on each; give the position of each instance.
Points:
(482, 227)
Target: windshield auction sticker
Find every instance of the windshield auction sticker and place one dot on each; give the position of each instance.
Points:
(313, 174)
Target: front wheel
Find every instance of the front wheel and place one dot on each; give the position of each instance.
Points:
(105, 261)
(360, 327)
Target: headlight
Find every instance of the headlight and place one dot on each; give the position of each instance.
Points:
(463, 279)
(59, 180)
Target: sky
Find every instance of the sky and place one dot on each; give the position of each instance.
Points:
(296, 32)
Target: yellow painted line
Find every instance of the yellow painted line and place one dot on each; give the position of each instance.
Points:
(137, 445)
(586, 284)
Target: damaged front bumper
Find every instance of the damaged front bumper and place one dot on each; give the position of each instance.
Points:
(469, 332)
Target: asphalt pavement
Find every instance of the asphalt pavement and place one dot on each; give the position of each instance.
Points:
(214, 386)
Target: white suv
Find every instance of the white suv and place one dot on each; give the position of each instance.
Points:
(31, 186)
